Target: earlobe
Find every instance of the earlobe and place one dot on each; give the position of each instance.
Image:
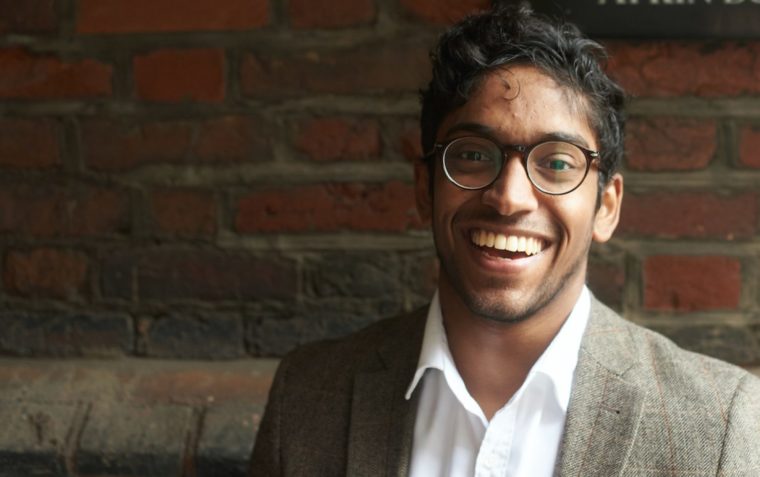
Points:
(608, 215)
(423, 194)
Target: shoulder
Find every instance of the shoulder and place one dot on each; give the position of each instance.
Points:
(333, 360)
(670, 372)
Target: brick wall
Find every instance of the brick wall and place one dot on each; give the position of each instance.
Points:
(230, 178)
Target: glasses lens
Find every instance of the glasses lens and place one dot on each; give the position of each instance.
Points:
(472, 162)
(556, 167)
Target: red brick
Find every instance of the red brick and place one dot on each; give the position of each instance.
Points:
(213, 276)
(749, 146)
(329, 207)
(46, 273)
(672, 68)
(329, 139)
(675, 283)
(232, 139)
(409, 142)
(330, 13)
(690, 214)
(443, 12)
(180, 75)
(112, 145)
(16, 137)
(366, 69)
(128, 16)
(670, 144)
(184, 212)
(50, 211)
(29, 16)
(119, 145)
(27, 76)
(607, 281)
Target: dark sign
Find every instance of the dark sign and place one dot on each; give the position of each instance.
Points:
(687, 19)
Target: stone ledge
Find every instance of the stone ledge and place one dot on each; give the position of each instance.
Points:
(131, 417)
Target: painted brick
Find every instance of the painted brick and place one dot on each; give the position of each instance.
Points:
(330, 13)
(195, 336)
(733, 343)
(123, 439)
(129, 16)
(749, 146)
(51, 211)
(267, 74)
(186, 213)
(670, 144)
(173, 75)
(353, 275)
(685, 283)
(30, 16)
(329, 207)
(690, 214)
(329, 139)
(275, 332)
(420, 278)
(66, 334)
(672, 68)
(226, 442)
(16, 135)
(28, 76)
(116, 145)
(46, 273)
(212, 276)
(445, 12)
(34, 436)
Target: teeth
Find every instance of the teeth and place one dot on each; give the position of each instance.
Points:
(512, 243)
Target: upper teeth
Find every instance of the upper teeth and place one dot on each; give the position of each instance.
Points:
(512, 243)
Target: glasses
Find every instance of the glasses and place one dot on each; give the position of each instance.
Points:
(553, 167)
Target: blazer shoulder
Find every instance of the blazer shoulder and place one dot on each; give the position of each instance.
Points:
(333, 358)
(660, 365)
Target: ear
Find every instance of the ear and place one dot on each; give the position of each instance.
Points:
(608, 215)
(423, 194)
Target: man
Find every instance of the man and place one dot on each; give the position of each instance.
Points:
(514, 369)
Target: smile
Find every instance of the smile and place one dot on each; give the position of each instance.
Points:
(510, 243)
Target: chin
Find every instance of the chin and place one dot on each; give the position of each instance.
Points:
(504, 309)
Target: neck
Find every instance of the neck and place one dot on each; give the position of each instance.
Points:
(494, 358)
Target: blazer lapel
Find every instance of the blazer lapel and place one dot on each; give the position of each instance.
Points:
(382, 420)
(605, 405)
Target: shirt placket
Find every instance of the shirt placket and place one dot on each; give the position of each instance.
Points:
(496, 447)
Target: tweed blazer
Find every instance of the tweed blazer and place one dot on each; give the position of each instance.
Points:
(640, 406)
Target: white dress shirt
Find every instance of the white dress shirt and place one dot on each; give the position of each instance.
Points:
(452, 436)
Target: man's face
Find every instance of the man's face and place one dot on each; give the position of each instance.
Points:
(519, 105)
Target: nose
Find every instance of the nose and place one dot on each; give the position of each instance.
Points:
(512, 192)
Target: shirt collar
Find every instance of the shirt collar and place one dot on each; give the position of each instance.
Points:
(557, 362)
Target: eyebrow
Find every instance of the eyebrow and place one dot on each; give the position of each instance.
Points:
(489, 132)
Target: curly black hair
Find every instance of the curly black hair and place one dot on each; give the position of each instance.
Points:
(514, 34)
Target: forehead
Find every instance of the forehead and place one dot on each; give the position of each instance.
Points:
(521, 105)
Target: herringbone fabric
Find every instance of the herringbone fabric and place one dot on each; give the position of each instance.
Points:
(640, 407)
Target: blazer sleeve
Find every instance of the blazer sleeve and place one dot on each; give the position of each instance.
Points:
(741, 445)
(266, 458)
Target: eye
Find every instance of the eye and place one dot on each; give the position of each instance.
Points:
(473, 155)
(558, 164)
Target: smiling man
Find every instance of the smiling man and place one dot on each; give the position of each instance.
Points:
(514, 369)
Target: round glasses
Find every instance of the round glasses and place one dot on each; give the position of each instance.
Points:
(553, 167)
